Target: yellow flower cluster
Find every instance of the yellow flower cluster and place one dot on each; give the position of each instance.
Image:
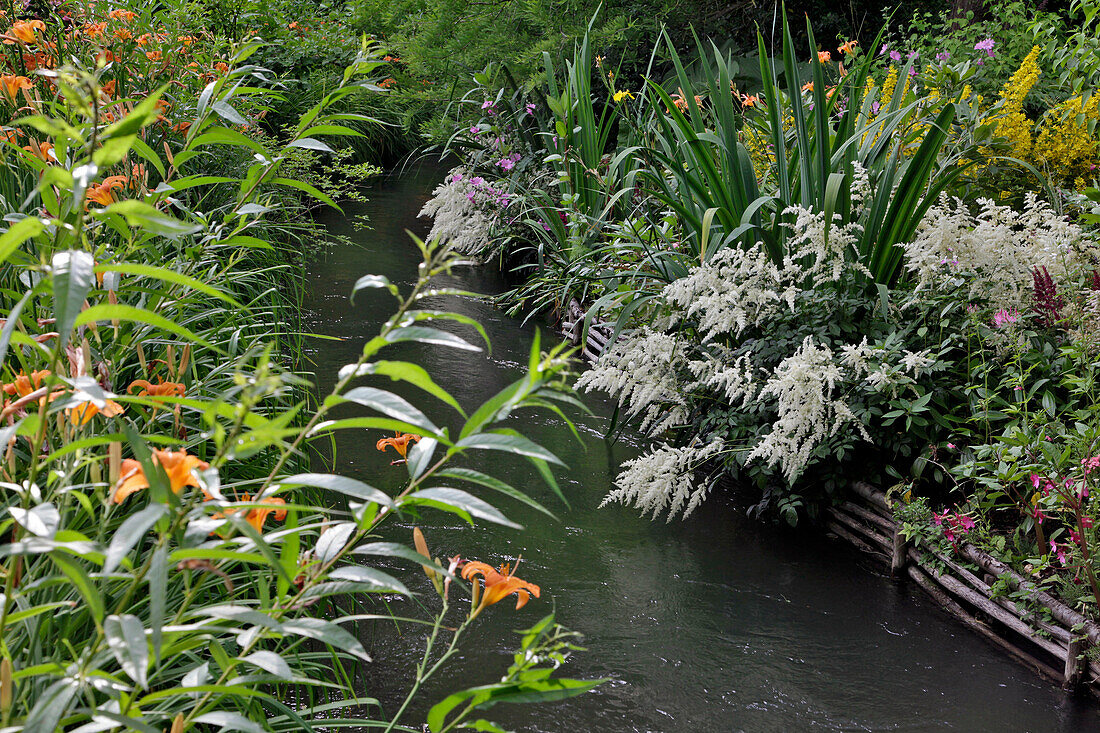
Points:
(1063, 145)
(888, 85)
(1014, 125)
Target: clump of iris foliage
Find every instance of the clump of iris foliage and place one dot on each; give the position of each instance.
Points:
(850, 264)
(168, 560)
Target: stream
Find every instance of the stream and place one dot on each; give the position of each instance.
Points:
(716, 623)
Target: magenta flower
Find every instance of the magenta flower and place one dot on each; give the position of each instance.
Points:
(986, 45)
(882, 51)
(895, 56)
(530, 108)
(506, 163)
(943, 56)
(1003, 317)
(1058, 551)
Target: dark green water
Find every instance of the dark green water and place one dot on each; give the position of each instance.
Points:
(716, 623)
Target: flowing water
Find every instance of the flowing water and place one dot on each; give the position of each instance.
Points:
(716, 623)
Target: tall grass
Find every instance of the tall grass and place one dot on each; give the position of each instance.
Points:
(153, 436)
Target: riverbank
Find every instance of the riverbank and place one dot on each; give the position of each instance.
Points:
(717, 623)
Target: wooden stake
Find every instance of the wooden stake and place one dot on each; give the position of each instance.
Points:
(1076, 664)
(900, 557)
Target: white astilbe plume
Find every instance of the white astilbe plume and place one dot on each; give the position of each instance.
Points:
(829, 252)
(730, 376)
(664, 480)
(999, 247)
(808, 413)
(738, 288)
(734, 290)
(457, 219)
(861, 185)
(640, 371)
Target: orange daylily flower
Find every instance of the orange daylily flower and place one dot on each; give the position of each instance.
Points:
(24, 385)
(257, 516)
(95, 30)
(102, 193)
(161, 389)
(400, 443)
(11, 84)
(848, 47)
(221, 67)
(124, 15)
(82, 413)
(499, 584)
(750, 100)
(177, 464)
(154, 55)
(824, 56)
(808, 86)
(108, 90)
(25, 31)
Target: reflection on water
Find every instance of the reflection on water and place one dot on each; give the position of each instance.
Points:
(717, 623)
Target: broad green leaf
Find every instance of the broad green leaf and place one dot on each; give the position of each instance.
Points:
(341, 484)
(271, 663)
(508, 443)
(415, 375)
(483, 479)
(428, 335)
(107, 312)
(72, 276)
(450, 499)
(376, 579)
(82, 582)
(130, 533)
(329, 633)
(126, 639)
(389, 404)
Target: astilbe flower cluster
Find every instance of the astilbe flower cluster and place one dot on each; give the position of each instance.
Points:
(464, 208)
(663, 479)
(997, 248)
(1047, 302)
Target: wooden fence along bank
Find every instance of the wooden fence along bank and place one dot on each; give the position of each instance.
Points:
(1047, 635)
(1054, 645)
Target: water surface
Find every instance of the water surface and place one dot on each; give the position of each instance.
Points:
(716, 623)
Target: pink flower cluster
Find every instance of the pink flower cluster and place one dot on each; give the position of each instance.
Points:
(508, 162)
(954, 524)
(1003, 317)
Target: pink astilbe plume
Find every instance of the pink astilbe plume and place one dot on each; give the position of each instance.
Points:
(1048, 303)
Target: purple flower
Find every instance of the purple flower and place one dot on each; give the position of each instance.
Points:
(477, 181)
(506, 163)
(986, 45)
(489, 107)
(530, 108)
(913, 55)
(895, 56)
(943, 56)
(882, 51)
(475, 130)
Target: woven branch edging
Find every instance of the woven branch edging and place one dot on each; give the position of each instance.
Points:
(867, 521)
(1055, 649)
